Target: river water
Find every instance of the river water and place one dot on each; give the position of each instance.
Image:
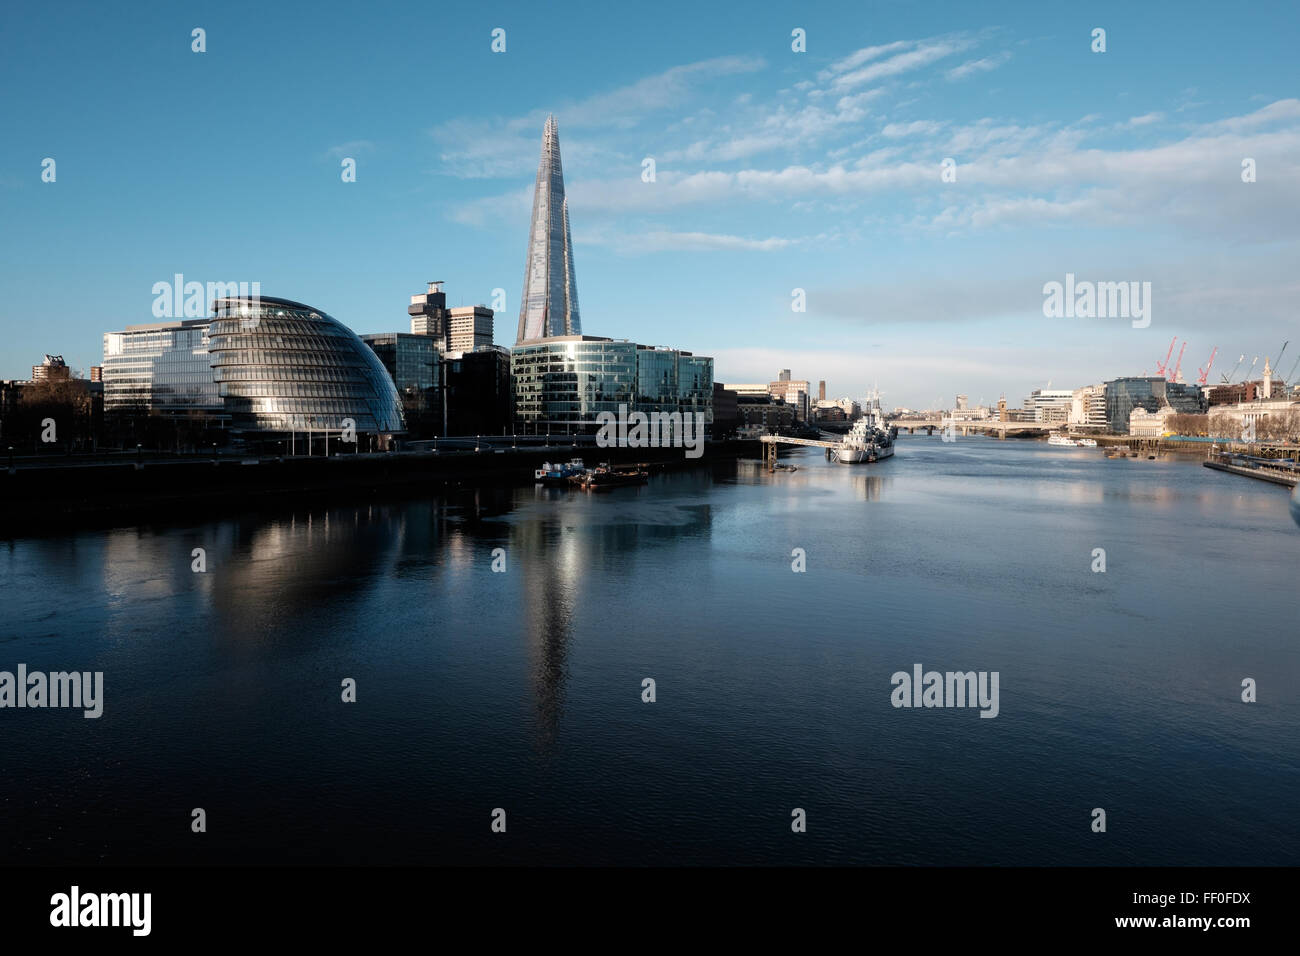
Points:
(521, 689)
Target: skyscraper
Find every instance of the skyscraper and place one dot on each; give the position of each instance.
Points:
(549, 305)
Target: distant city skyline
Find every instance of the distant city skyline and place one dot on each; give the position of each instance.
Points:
(770, 171)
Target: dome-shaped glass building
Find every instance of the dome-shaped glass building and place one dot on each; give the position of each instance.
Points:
(283, 366)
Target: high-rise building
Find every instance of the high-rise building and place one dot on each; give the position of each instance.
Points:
(428, 312)
(468, 328)
(783, 375)
(459, 329)
(961, 403)
(821, 391)
(549, 304)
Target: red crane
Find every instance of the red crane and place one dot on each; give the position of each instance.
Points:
(1203, 378)
(1179, 367)
(1161, 366)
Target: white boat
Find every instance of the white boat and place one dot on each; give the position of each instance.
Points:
(1087, 442)
(868, 440)
(1061, 440)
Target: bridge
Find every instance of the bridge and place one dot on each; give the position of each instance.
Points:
(986, 426)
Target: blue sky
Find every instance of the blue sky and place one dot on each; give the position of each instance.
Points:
(775, 170)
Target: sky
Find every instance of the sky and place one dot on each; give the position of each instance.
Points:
(775, 170)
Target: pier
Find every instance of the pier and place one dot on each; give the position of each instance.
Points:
(1278, 471)
(771, 441)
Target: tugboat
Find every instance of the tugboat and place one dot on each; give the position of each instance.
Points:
(559, 476)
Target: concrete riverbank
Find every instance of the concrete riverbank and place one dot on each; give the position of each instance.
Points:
(53, 494)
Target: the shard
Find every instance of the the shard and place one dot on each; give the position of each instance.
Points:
(549, 305)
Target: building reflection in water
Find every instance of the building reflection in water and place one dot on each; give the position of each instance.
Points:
(871, 486)
(549, 554)
(558, 536)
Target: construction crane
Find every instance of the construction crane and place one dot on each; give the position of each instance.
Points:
(1279, 354)
(1161, 366)
(1179, 367)
(1228, 378)
(1204, 377)
(1292, 372)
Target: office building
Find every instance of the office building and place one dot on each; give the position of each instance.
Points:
(726, 418)
(562, 383)
(456, 329)
(763, 415)
(468, 328)
(160, 368)
(1125, 394)
(1088, 407)
(752, 389)
(794, 392)
(428, 312)
(410, 360)
(477, 397)
(283, 366)
(549, 304)
(1050, 406)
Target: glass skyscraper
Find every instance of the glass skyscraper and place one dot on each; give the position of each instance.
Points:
(549, 304)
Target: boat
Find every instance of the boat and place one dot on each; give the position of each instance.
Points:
(607, 477)
(1087, 443)
(868, 440)
(560, 475)
(1061, 440)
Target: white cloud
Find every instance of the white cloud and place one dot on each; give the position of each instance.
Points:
(982, 65)
(351, 148)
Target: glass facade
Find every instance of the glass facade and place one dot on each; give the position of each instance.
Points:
(411, 360)
(1125, 394)
(564, 384)
(549, 304)
(162, 368)
(284, 366)
(695, 385)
